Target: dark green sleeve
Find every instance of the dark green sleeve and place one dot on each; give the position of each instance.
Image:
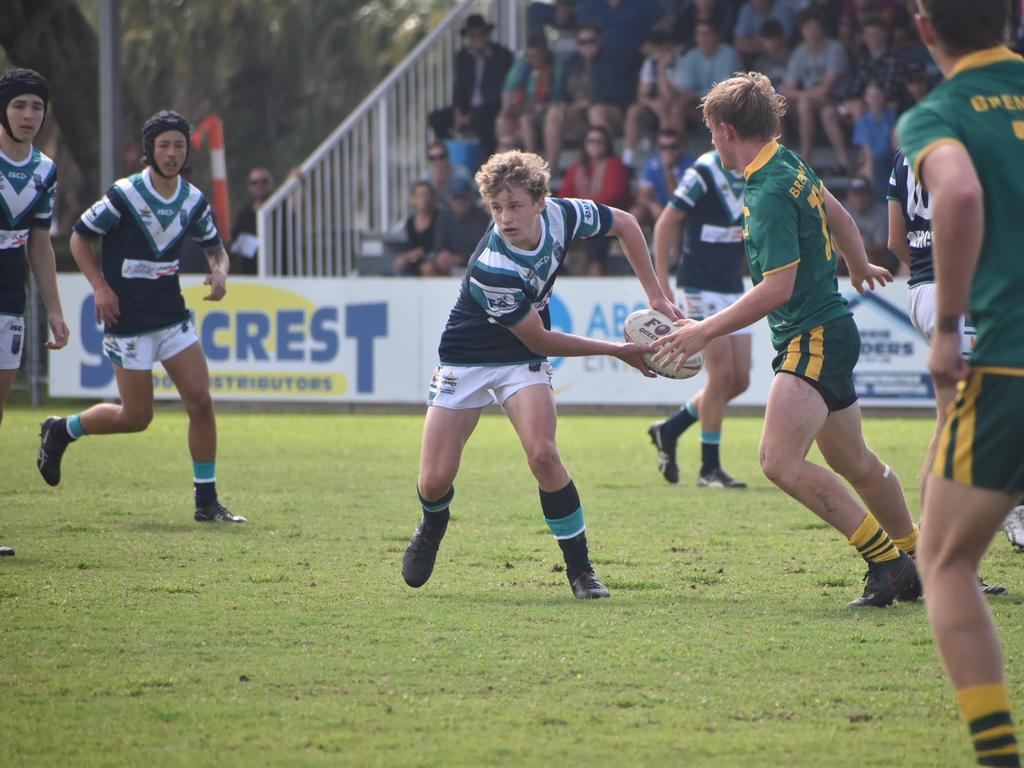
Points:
(774, 237)
(921, 130)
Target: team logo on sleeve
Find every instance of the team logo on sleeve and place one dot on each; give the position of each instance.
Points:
(589, 212)
(501, 301)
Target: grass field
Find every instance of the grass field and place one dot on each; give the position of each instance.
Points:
(130, 635)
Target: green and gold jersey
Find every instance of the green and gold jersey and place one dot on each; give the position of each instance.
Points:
(785, 227)
(981, 107)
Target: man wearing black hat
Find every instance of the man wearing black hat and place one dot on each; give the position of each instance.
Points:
(28, 185)
(480, 69)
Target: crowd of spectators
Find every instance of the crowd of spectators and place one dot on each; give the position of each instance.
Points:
(611, 76)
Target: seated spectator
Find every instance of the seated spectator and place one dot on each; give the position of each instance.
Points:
(720, 14)
(458, 232)
(916, 85)
(480, 69)
(244, 248)
(710, 62)
(555, 21)
(828, 11)
(856, 13)
(657, 102)
(583, 95)
(876, 61)
(873, 135)
(419, 230)
(598, 175)
(624, 26)
(525, 97)
(773, 60)
(872, 220)
(660, 177)
(815, 70)
(442, 173)
(746, 36)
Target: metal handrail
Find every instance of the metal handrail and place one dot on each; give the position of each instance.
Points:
(357, 180)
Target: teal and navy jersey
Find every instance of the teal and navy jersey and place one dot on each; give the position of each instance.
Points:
(712, 199)
(142, 237)
(503, 283)
(27, 192)
(907, 192)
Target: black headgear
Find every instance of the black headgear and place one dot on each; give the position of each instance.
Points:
(159, 123)
(16, 83)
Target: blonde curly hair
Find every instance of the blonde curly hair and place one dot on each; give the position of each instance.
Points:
(510, 169)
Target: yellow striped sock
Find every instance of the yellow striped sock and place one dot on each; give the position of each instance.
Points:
(873, 543)
(909, 542)
(986, 709)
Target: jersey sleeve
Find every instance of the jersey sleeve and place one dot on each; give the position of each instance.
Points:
(203, 230)
(42, 217)
(893, 191)
(692, 187)
(773, 233)
(500, 292)
(922, 130)
(101, 217)
(592, 219)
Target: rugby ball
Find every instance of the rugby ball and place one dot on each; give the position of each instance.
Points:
(648, 325)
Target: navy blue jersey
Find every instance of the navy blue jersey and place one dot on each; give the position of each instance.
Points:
(503, 283)
(712, 199)
(27, 192)
(917, 214)
(142, 238)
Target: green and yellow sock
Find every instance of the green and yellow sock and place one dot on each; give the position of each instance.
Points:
(872, 542)
(986, 710)
(909, 542)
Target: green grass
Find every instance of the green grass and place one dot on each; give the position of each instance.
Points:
(130, 635)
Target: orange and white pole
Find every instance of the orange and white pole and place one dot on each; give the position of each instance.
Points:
(213, 128)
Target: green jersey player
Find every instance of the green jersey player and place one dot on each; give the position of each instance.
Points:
(789, 220)
(965, 142)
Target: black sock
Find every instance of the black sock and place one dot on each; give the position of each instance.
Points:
(564, 515)
(206, 493)
(709, 457)
(678, 423)
(436, 513)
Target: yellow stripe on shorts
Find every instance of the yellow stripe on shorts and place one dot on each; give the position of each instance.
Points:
(963, 455)
(792, 355)
(817, 350)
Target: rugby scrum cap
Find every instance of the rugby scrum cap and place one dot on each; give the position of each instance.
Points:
(159, 123)
(16, 83)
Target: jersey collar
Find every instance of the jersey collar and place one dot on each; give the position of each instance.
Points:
(983, 58)
(767, 153)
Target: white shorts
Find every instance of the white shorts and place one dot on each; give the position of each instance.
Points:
(12, 341)
(138, 353)
(477, 386)
(921, 307)
(700, 305)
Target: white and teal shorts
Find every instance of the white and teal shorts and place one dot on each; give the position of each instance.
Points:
(700, 305)
(477, 386)
(12, 341)
(139, 353)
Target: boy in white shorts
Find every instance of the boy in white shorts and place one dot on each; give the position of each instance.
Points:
(495, 347)
(709, 279)
(143, 221)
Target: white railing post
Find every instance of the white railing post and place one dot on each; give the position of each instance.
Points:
(383, 166)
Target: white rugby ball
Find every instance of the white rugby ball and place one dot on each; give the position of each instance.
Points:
(648, 325)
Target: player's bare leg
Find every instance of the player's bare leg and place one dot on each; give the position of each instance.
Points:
(191, 377)
(727, 362)
(944, 395)
(532, 413)
(445, 434)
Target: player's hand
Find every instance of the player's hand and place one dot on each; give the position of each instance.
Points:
(633, 354)
(667, 307)
(217, 281)
(870, 275)
(108, 308)
(60, 331)
(946, 361)
(684, 342)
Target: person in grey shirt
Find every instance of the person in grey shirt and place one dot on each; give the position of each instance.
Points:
(815, 69)
(458, 231)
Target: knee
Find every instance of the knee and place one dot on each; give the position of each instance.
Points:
(136, 420)
(740, 382)
(433, 484)
(544, 461)
(857, 468)
(199, 405)
(776, 466)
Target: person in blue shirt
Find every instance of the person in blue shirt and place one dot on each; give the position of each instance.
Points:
(873, 134)
(495, 348)
(660, 175)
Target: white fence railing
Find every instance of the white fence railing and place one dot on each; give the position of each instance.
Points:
(356, 183)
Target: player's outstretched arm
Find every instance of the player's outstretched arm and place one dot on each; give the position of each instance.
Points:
(107, 305)
(531, 331)
(668, 231)
(631, 237)
(851, 246)
(897, 241)
(43, 264)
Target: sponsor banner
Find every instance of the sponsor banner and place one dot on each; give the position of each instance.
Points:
(375, 340)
